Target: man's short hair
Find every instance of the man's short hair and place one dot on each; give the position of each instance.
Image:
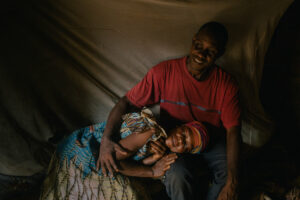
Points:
(217, 30)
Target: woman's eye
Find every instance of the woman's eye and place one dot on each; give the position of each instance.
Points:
(185, 142)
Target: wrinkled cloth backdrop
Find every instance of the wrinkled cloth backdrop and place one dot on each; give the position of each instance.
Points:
(64, 63)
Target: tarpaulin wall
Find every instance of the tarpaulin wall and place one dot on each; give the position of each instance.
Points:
(64, 63)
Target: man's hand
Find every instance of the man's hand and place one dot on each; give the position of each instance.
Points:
(233, 141)
(106, 160)
(228, 192)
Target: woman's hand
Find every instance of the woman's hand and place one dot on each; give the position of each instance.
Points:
(163, 165)
(158, 148)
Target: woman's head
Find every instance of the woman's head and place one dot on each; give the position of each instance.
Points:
(191, 137)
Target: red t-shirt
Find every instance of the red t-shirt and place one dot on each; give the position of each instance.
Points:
(214, 100)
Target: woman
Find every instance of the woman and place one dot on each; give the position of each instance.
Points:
(73, 175)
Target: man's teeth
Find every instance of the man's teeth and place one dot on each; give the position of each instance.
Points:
(198, 61)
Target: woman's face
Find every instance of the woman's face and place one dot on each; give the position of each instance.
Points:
(179, 140)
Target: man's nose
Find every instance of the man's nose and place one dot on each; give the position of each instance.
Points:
(202, 53)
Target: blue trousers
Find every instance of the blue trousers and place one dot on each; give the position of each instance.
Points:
(181, 180)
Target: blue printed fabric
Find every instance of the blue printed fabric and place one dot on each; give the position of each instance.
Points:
(82, 146)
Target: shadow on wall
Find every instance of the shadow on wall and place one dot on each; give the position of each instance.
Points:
(280, 84)
(273, 171)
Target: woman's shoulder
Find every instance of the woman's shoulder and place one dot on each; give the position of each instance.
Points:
(140, 122)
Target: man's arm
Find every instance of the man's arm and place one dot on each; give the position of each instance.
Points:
(107, 148)
(233, 140)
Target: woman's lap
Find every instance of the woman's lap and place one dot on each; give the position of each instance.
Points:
(72, 174)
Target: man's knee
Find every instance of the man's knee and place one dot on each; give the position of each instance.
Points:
(179, 171)
(179, 181)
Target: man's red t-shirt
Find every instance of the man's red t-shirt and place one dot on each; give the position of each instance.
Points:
(214, 100)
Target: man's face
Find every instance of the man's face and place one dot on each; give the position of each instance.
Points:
(180, 140)
(204, 51)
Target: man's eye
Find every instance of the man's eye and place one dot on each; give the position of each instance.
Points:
(212, 53)
(198, 46)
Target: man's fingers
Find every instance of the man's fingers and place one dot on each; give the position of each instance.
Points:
(112, 169)
(106, 165)
(98, 164)
(113, 164)
(109, 168)
(109, 165)
(120, 149)
(103, 167)
(107, 160)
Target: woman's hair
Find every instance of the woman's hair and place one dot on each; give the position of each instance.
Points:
(199, 136)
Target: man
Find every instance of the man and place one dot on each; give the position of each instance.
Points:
(192, 88)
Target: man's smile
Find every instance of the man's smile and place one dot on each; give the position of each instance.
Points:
(198, 60)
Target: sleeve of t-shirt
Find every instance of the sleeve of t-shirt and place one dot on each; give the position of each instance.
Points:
(147, 91)
(231, 111)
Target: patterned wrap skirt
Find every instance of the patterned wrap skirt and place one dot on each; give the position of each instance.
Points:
(72, 172)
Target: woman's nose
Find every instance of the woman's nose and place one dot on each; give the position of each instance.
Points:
(180, 138)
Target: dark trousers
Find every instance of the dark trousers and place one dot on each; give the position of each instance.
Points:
(182, 182)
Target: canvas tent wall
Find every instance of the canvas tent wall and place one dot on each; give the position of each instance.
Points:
(65, 63)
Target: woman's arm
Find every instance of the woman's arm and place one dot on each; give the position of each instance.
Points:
(133, 142)
(132, 168)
